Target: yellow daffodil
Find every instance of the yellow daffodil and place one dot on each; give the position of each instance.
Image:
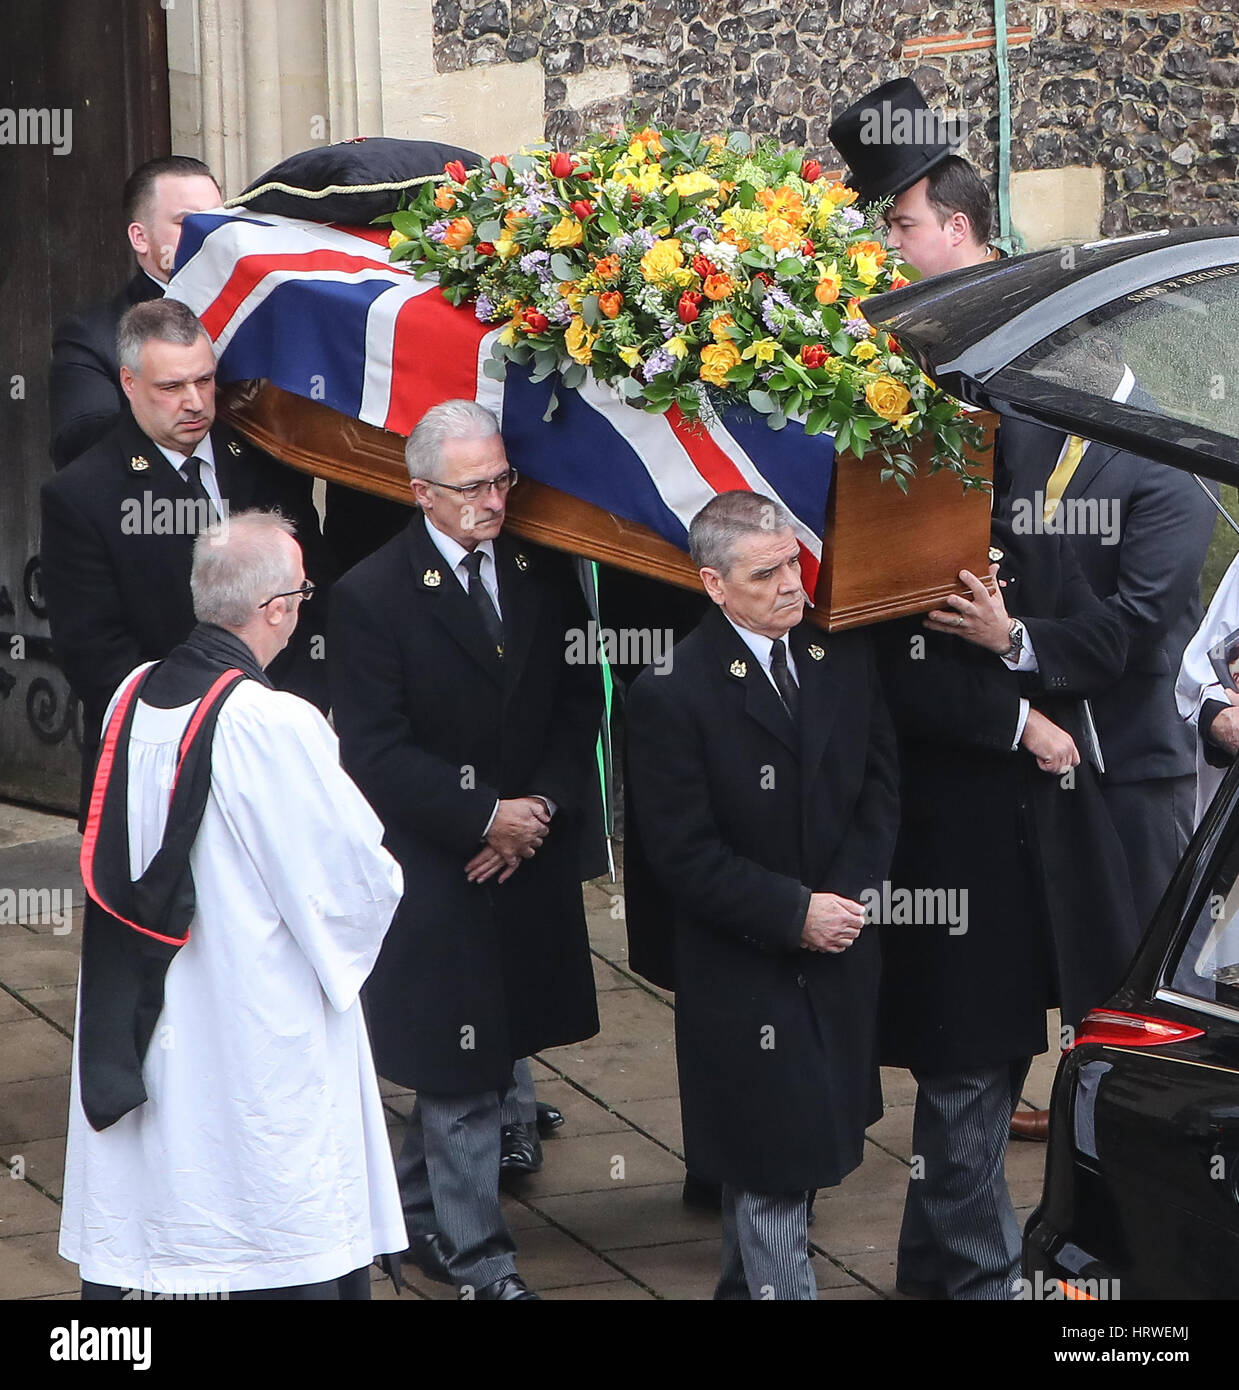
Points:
(397, 239)
(566, 232)
(579, 339)
(829, 285)
(508, 336)
(867, 267)
(905, 422)
(629, 356)
(677, 347)
(864, 351)
(761, 350)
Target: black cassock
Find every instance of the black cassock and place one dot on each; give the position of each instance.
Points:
(433, 728)
(1049, 906)
(741, 815)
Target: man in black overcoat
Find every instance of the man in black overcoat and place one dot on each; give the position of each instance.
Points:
(463, 721)
(1140, 531)
(86, 395)
(762, 780)
(1003, 819)
(119, 524)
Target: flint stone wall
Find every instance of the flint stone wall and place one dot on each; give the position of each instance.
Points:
(1147, 94)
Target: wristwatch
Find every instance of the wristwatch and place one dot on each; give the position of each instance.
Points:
(1017, 641)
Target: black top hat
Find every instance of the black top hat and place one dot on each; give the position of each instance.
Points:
(891, 138)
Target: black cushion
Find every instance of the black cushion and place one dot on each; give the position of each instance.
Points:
(353, 163)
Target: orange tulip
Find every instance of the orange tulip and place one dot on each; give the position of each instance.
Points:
(459, 233)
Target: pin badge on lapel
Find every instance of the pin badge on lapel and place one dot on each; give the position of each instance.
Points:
(138, 464)
(995, 555)
(739, 668)
(522, 563)
(432, 579)
(816, 652)
(234, 448)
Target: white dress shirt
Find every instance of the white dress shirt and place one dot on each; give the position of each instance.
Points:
(205, 451)
(455, 555)
(762, 648)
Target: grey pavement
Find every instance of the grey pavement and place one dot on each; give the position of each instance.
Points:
(602, 1220)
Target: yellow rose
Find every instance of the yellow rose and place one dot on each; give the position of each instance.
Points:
(887, 398)
(779, 234)
(661, 259)
(717, 360)
(864, 351)
(397, 239)
(629, 356)
(762, 350)
(677, 347)
(579, 340)
(696, 182)
(719, 325)
(566, 232)
(506, 247)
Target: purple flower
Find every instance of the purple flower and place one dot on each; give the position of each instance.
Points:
(622, 243)
(560, 313)
(484, 310)
(437, 230)
(699, 233)
(537, 263)
(851, 217)
(858, 328)
(659, 361)
(644, 238)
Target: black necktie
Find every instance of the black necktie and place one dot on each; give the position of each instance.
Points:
(789, 691)
(192, 473)
(482, 600)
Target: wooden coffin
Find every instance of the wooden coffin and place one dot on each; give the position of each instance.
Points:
(884, 555)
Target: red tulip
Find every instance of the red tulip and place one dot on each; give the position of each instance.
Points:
(813, 355)
(635, 198)
(582, 209)
(689, 307)
(892, 343)
(703, 265)
(485, 248)
(498, 159)
(562, 165)
(455, 170)
(763, 278)
(807, 247)
(535, 322)
(811, 171)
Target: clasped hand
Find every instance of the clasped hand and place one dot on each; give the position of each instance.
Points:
(517, 831)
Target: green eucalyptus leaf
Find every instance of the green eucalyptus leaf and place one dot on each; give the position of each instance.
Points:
(494, 368)
(763, 401)
(551, 406)
(590, 311)
(561, 267)
(777, 421)
(490, 230)
(572, 376)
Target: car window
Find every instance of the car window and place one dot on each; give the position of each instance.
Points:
(1177, 337)
(1205, 961)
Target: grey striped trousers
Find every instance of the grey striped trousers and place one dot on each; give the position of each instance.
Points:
(765, 1246)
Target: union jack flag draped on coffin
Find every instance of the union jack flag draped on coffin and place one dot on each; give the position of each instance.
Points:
(318, 310)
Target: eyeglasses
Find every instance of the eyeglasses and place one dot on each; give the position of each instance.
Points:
(472, 491)
(302, 593)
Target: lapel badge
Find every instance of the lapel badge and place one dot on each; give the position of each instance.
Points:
(138, 464)
(522, 563)
(739, 668)
(817, 652)
(995, 555)
(234, 448)
(432, 579)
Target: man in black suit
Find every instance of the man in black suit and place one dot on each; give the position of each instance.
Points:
(119, 524)
(1140, 531)
(462, 720)
(763, 785)
(1024, 904)
(86, 394)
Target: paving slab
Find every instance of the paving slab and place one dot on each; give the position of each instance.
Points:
(54, 1002)
(19, 825)
(13, 1007)
(548, 1258)
(622, 1289)
(582, 1115)
(893, 1132)
(602, 1163)
(35, 961)
(621, 1219)
(31, 1268)
(24, 1210)
(659, 1117)
(619, 1071)
(30, 1049)
(856, 1225)
(606, 977)
(43, 1161)
(31, 1110)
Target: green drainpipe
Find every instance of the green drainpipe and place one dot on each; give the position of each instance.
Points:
(1007, 240)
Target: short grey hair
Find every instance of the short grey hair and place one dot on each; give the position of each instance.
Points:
(167, 320)
(727, 519)
(237, 569)
(460, 419)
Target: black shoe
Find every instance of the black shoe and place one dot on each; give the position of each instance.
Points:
(506, 1290)
(549, 1120)
(701, 1193)
(426, 1252)
(520, 1149)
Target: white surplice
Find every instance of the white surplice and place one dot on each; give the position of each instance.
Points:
(1198, 680)
(260, 1159)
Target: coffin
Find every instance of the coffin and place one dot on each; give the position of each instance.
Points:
(885, 555)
